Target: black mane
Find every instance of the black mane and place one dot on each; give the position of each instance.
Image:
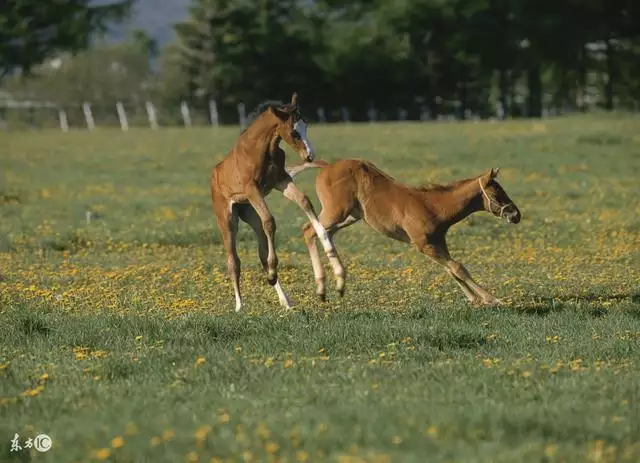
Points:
(261, 108)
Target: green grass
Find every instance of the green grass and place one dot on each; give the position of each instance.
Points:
(118, 337)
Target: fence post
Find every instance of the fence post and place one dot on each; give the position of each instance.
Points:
(372, 114)
(64, 122)
(88, 116)
(321, 116)
(424, 113)
(242, 116)
(151, 113)
(186, 117)
(122, 116)
(402, 114)
(213, 113)
(344, 112)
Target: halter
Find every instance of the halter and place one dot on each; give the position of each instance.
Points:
(492, 201)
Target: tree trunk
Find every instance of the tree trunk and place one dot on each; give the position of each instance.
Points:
(534, 104)
(610, 70)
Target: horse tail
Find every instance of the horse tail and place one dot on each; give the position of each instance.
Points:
(296, 169)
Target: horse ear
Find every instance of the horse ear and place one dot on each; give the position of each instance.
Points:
(486, 177)
(494, 172)
(294, 100)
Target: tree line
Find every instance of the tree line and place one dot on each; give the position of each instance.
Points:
(510, 58)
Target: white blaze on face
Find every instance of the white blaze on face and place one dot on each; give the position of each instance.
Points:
(301, 127)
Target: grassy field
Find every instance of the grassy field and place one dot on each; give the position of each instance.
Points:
(118, 337)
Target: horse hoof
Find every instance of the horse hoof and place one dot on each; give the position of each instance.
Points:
(323, 297)
(272, 280)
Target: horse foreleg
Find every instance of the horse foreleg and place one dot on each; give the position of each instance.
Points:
(329, 222)
(251, 217)
(292, 193)
(318, 270)
(269, 227)
(472, 290)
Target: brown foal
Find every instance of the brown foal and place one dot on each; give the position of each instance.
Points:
(350, 190)
(254, 167)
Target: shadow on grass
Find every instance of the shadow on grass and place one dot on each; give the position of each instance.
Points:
(34, 324)
(543, 307)
(634, 312)
(595, 297)
(546, 305)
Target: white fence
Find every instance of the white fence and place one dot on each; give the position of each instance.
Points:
(21, 114)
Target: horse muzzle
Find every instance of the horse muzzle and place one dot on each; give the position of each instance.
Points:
(513, 217)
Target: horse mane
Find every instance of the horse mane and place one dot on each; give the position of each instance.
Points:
(261, 108)
(441, 187)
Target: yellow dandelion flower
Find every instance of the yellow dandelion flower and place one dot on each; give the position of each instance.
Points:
(302, 456)
(102, 454)
(192, 457)
(396, 440)
(168, 435)
(155, 440)
(33, 392)
(550, 450)
(200, 360)
(271, 447)
(224, 418)
(202, 432)
(262, 431)
(431, 431)
(117, 442)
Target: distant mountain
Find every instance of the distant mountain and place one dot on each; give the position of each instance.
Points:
(155, 17)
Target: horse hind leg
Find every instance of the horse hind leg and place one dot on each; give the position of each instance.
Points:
(251, 217)
(228, 224)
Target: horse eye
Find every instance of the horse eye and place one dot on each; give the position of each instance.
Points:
(295, 135)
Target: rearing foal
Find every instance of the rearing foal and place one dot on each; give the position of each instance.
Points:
(350, 190)
(254, 167)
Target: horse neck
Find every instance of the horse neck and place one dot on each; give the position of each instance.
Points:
(262, 133)
(457, 203)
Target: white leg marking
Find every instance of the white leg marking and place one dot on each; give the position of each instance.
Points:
(238, 302)
(322, 234)
(284, 300)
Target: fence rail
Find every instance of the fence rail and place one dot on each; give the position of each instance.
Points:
(37, 114)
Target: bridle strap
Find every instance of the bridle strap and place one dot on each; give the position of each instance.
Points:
(491, 201)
